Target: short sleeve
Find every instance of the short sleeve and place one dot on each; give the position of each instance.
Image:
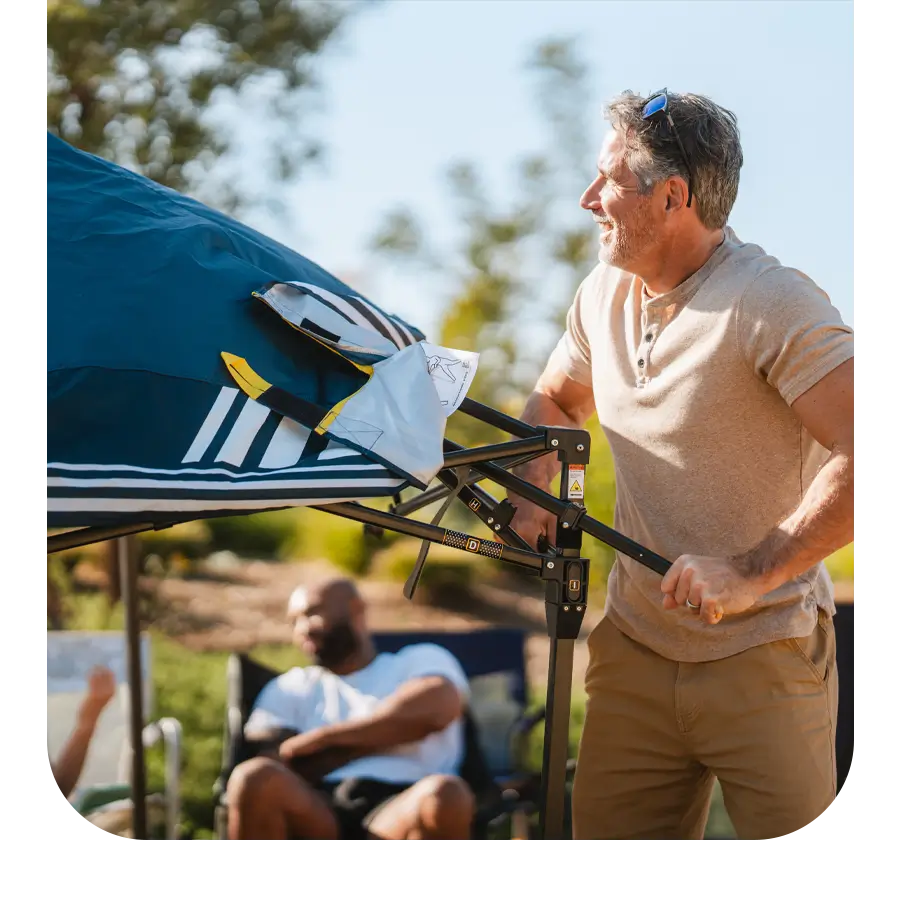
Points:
(572, 354)
(421, 660)
(790, 333)
(274, 708)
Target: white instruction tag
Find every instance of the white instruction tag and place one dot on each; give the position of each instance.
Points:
(451, 373)
(576, 483)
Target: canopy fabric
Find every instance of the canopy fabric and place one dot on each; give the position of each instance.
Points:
(195, 366)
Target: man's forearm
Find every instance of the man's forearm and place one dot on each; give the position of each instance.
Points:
(68, 766)
(821, 525)
(349, 741)
(378, 732)
(540, 409)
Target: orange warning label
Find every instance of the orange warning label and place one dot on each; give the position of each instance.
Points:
(576, 483)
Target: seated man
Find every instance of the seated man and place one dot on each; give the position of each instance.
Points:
(359, 745)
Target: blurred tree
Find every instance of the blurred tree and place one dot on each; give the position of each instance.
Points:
(138, 81)
(518, 262)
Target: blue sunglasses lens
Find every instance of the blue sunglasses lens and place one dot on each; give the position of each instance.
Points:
(655, 105)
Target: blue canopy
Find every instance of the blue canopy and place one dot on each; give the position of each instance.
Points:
(160, 317)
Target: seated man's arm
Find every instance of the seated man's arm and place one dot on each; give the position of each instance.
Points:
(417, 709)
(68, 766)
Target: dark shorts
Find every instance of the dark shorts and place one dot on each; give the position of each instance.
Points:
(356, 801)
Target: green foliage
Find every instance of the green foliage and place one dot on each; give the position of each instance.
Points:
(444, 566)
(343, 542)
(132, 80)
(92, 612)
(191, 540)
(840, 564)
(191, 688)
(263, 535)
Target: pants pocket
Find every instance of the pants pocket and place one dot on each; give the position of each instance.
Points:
(817, 650)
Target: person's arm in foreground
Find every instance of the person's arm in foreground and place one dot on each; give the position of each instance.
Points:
(821, 524)
(556, 400)
(68, 766)
(417, 709)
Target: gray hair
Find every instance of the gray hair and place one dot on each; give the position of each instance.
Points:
(711, 141)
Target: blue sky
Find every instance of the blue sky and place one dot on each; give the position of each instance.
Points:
(415, 85)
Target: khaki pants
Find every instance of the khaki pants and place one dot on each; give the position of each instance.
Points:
(656, 732)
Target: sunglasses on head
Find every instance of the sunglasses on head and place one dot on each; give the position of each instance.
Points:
(658, 105)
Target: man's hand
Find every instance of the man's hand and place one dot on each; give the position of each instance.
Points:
(710, 586)
(531, 521)
(101, 689)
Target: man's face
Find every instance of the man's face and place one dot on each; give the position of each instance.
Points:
(324, 628)
(630, 224)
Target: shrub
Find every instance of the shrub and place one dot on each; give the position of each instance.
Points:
(342, 542)
(444, 566)
(262, 535)
(190, 540)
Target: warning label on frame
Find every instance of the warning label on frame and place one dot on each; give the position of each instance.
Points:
(576, 483)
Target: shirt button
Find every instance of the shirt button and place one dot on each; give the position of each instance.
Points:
(640, 364)
(648, 337)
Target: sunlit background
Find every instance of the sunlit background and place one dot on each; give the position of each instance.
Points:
(430, 154)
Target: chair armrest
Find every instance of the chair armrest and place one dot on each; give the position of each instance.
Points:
(90, 799)
(233, 723)
(169, 730)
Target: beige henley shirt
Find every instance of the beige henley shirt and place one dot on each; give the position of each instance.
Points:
(693, 390)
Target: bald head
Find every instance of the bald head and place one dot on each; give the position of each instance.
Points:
(328, 616)
(329, 596)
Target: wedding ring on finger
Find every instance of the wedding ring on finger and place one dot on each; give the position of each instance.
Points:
(691, 605)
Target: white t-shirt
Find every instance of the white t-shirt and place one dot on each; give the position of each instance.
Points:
(308, 698)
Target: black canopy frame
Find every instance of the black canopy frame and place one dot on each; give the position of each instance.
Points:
(562, 568)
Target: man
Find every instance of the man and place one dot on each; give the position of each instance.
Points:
(70, 762)
(724, 384)
(360, 744)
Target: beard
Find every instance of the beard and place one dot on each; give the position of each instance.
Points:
(338, 644)
(629, 239)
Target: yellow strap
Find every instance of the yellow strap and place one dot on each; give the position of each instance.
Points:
(250, 382)
(254, 385)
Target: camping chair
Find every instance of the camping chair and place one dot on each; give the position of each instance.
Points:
(103, 795)
(497, 725)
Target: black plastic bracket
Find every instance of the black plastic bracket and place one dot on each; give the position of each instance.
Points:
(573, 444)
(565, 598)
(501, 516)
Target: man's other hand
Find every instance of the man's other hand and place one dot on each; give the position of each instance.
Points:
(101, 689)
(531, 521)
(709, 586)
